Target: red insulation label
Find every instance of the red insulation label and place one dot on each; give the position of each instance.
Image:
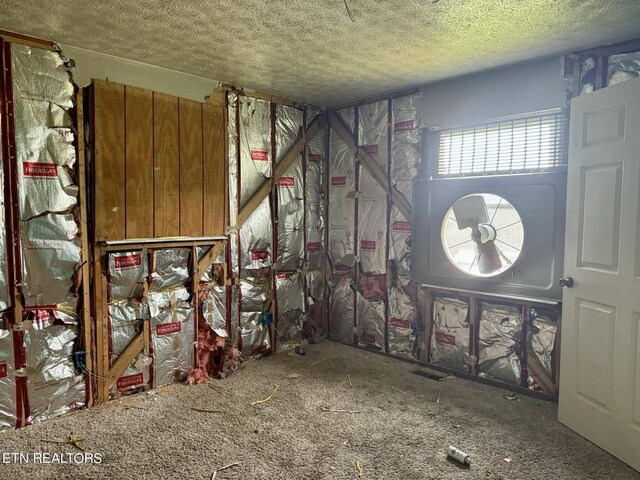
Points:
(281, 276)
(168, 328)
(370, 149)
(259, 155)
(3, 369)
(445, 339)
(368, 245)
(130, 381)
(367, 337)
(313, 246)
(286, 182)
(37, 169)
(401, 226)
(128, 261)
(399, 322)
(314, 157)
(338, 181)
(403, 126)
(260, 254)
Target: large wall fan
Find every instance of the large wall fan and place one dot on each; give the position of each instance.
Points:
(501, 234)
(482, 235)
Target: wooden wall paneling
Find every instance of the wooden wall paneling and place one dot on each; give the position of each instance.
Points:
(139, 162)
(109, 160)
(214, 169)
(166, 179)
(191, 168)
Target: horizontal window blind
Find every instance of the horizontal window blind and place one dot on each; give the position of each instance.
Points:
(529, 144)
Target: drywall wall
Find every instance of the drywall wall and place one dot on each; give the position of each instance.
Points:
(512, 90)
(90, 64)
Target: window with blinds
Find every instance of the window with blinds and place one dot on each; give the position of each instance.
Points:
(527, 144)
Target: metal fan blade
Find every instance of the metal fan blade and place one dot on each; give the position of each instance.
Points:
(489, 260)
(470, 211)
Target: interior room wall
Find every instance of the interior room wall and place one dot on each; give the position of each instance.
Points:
(520, 88)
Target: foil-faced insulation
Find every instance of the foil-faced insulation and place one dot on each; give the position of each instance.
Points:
(255, 335)
(288, 126)
(372, 234)
(402, 328)
(623, 67)
(499, 342)
(315, 284)
(170, 268)
(254, 294)
(255, 238)
(290, 297)
(214, 309)
(541, 339)
(172, 335)
(341, 195)
(126, 321)
(232, 125)
(341, 309)
(405, 145)
(373, 135)
(400, 241)
(128, 272)
(44, 143)
(315, 206)
(370, 328)
(54, 386)
(290, 196)
(450, 338)
(255, 145)
(50, 254)
(8, 401)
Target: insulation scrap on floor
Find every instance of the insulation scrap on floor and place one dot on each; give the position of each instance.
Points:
(450, 337)
(54, 385)
(499, 342)
(172, 335)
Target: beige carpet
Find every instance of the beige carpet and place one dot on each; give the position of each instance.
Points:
(403, 426)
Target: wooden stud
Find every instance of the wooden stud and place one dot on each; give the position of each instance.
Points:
(282, 166)
(109, 166)
(208, 258)
(102, 323)
(125, 358)
(166, 165)
(374, 169)
(26, 40)
(191, 180)
(214, 136)
(539, 374)
(139, 162)
(84, 241)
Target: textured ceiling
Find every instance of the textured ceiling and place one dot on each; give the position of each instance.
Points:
(311, 50)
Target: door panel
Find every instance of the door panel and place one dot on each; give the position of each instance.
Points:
(600, 358)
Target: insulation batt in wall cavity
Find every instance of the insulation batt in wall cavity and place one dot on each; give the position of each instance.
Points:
(170, 268)
(500, 333)
(50, 255)
(290, 295)
(450, 337)
(370, 328)
(402, 323)
(126, 321)
(255, 238)
(232, 139)
(315, 208)
(128, 272)
(341, 309)
(255, 145)
(623, 67)
(172, 335)
(215, 309)
(254, 294)
(8, 403)
(341, 195)
(541, 338)
(54, 386)
(290, 218)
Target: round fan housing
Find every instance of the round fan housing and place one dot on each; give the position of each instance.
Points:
(482, 235)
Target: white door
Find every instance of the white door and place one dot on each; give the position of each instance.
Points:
(600, 348)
